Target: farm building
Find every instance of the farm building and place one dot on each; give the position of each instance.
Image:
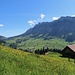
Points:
(69, 51)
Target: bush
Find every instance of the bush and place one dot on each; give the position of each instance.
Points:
(42, 51)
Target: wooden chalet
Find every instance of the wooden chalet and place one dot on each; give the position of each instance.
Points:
(69, 51)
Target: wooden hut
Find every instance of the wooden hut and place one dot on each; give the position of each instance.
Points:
(69, 51)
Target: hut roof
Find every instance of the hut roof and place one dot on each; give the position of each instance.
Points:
(72, 47)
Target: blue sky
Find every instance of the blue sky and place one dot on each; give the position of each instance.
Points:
(17, 16)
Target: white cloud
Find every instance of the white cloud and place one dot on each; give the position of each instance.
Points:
(72, 15)
(35, 20)
(55, 18)
(1, 25)
(42, 16)
(31, 22)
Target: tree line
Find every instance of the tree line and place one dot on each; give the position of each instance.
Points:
(45, 50)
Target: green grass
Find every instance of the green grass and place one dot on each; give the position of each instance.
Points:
(16, 62)
(40, 43)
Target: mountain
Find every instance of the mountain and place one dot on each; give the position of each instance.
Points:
(2, 37)
(64, 28)
(56, 34)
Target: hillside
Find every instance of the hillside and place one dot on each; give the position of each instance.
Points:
(2, 37)
(16, 62)
(32, 44)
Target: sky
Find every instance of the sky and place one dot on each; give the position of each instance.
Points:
(17, 16)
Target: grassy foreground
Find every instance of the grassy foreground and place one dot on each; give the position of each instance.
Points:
(15, 62)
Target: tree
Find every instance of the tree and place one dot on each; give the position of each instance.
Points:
(0, 43)
(13, 45)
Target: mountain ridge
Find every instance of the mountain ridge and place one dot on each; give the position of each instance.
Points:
(61, 28)
(2, 37)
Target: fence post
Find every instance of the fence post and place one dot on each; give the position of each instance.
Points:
(69, 59)
(74, 60)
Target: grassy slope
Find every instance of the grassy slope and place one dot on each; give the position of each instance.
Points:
(15, 62)
(40, 43)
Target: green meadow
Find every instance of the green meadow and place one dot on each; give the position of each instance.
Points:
(16, 62)
(37, 43)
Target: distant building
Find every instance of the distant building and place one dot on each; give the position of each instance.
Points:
(69, 51)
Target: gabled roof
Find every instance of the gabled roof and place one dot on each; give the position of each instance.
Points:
(72, 47)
